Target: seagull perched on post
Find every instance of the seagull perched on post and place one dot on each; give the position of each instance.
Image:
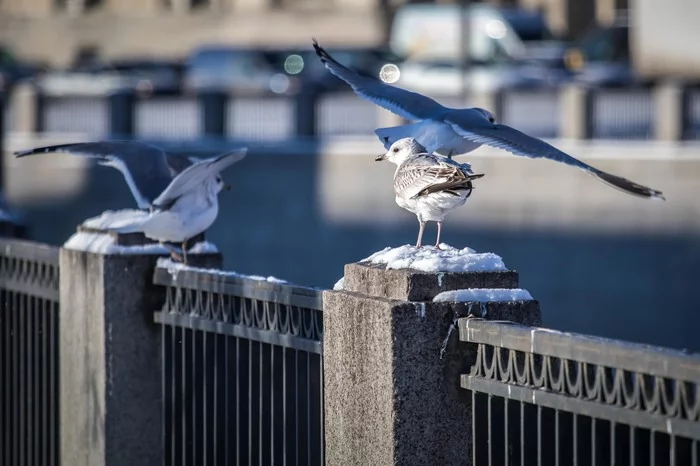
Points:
(188, 206)
(449, 131)
(147, 170)
(428, 185)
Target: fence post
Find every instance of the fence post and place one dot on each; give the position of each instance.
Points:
(213, 104)
(576, 112)
(110, 383)
(27, 103)
(305, 115)
(122, 109)
(392, 364)
(669, 112)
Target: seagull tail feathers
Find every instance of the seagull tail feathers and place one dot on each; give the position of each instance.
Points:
(628, 186)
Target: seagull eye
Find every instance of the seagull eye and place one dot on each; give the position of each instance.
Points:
(395, 149)
(218, 179)
(492, 120)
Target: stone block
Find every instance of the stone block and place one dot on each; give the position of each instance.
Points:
(391, 378)
(110, 392)
(413, 285)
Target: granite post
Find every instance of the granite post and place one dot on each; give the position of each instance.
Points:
(577, 112)
(669, 112)
(110, 389)
(392, 362)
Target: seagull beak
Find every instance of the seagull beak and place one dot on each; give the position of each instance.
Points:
(380, 157)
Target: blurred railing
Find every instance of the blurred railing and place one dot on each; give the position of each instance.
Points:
(29, 390)
(242, 370)
(545, 397)
(621, 113)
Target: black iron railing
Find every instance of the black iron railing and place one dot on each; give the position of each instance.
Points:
(242, 370)
(29, 413)
(545, 397)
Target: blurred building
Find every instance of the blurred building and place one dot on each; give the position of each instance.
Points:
(55, 30)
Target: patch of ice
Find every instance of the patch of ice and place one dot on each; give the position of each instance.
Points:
(339, 284)
(112, 219)
(104, 244)
(203, 247)
(430, 259)
(175, 267)
(483, 295)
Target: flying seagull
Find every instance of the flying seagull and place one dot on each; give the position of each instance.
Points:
(147, 170)
(188, 205)
(447, 131)
(428, 185)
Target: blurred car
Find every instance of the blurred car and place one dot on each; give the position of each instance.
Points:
(602, 56)
(235, 70)
(436, 47)
(540, 44)
(376, 62)
(97, 77)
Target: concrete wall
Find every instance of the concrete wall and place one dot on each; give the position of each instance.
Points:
(599, 261)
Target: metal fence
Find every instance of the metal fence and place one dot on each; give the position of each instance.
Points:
(242, 370)
(551, 398)
(615, 113)
(29, 414)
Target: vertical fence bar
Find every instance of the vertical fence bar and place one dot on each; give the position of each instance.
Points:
(46, 388)
(4, 377)
(17, 332)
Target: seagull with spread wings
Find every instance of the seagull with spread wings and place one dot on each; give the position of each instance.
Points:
(188, 205)
(147, 170)
(428, 185)
(447, 131)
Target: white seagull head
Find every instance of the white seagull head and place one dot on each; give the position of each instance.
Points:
(486, 114)
(402, 150)
(219, 185)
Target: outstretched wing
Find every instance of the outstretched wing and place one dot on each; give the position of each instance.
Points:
(196, 174)
(426, 174)
(519, 143)
(146, 168)
(406, 104)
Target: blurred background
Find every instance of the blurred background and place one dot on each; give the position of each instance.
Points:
(613, 82)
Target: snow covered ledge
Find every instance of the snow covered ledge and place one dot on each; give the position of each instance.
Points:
(94, 236)
(419, 274)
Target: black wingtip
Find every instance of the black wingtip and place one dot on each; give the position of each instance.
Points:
(320, 51)
(24, 153)
(44, 150)
(631, 187)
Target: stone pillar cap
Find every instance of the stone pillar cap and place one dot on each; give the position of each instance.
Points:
(394, 274)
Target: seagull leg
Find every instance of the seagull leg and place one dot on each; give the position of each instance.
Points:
(184, 252)
(420, 233)
(173, 253)
(437, 242)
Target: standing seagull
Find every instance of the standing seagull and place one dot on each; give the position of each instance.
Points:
(188, 206)
(449, 131)
(147, 170)
(428, 185)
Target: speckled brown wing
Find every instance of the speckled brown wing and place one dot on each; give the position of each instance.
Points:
(426, 174)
